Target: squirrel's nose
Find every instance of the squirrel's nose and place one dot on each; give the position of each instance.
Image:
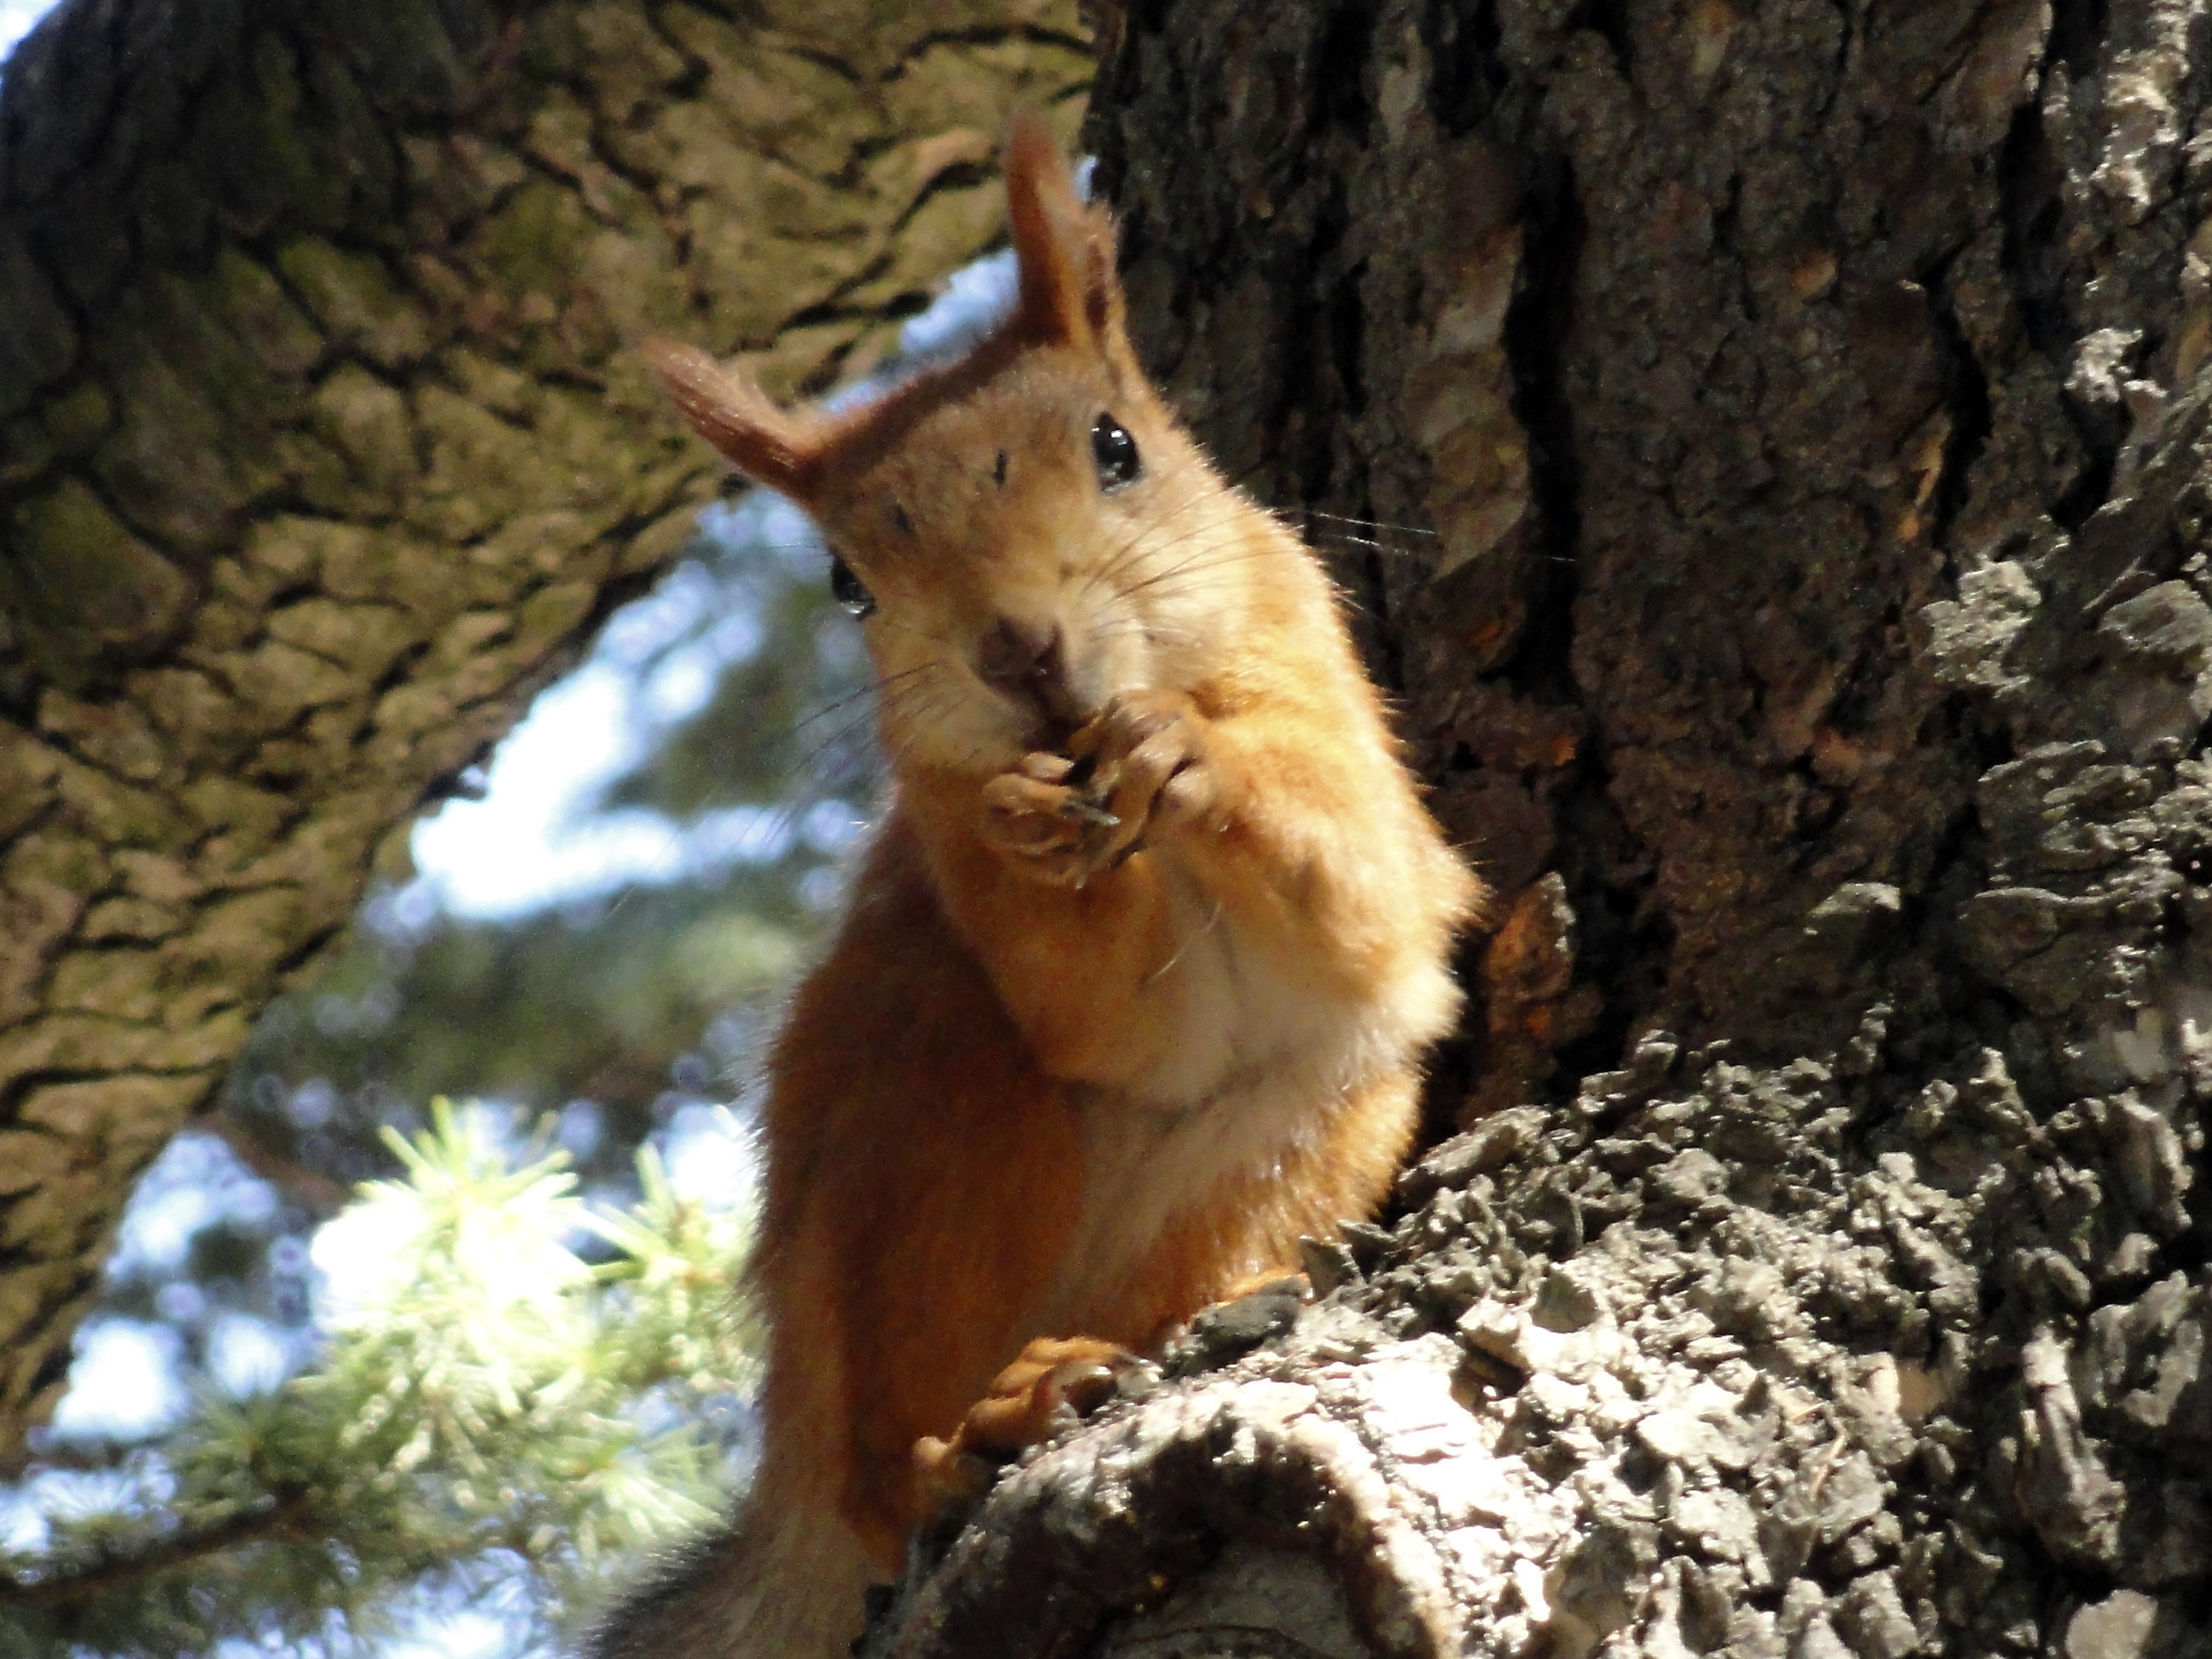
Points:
(1028, 661)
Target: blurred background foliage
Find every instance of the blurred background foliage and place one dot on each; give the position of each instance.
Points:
(512, 1395)
(679, 892)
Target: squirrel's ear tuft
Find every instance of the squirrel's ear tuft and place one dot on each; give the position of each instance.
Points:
(1070, 294)
(770, 446)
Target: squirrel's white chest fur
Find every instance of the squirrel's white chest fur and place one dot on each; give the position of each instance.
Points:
(1261, 1057)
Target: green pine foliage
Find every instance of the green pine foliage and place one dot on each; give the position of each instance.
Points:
(520, 1397)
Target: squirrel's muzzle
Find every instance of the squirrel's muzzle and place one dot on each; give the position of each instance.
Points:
(1027, 663)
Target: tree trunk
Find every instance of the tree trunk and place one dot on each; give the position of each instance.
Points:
(1784, 433)
(321, 447)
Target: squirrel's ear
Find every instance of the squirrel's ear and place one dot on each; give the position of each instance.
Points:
(1070, 294)
(770, 446)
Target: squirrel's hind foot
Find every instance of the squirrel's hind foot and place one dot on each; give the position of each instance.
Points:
(1055, 1380)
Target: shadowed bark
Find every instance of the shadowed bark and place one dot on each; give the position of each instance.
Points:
(321, 447)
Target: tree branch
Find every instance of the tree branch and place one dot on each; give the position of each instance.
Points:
(287, 1517)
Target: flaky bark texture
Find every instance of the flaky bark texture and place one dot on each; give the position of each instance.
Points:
(1787, 424)
(321, 445)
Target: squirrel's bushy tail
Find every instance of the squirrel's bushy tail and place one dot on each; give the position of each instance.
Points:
(784, 1581)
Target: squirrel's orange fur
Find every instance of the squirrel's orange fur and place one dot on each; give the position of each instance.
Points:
(1139, 969)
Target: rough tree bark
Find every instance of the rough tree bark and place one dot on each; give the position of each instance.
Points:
(321, 449)
(1789, 424)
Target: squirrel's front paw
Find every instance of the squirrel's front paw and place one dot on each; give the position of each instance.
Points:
(1145, 760)
(1139, 766)
(1042, 815)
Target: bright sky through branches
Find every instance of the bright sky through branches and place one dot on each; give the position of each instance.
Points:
(16, 17)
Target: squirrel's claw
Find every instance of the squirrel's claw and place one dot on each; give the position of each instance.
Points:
(1084, 812)
(1054, 1382)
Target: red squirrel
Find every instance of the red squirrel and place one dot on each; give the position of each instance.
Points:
(1138, 969)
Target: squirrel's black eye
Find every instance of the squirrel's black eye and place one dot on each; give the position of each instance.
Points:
(1116, 452)
(849, 590)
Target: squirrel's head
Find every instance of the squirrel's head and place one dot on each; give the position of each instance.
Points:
(1027, 531)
